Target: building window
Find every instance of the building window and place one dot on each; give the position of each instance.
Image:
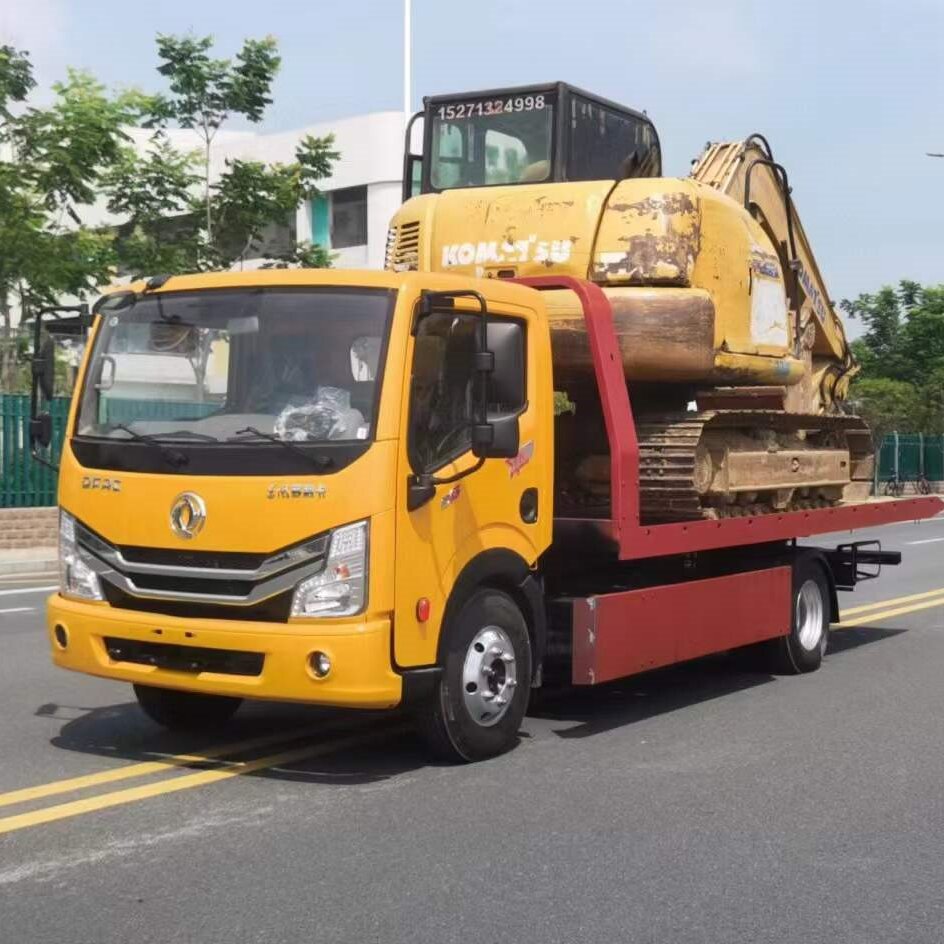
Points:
(349, 217)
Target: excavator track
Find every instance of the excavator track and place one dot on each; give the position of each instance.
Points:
(673, 450)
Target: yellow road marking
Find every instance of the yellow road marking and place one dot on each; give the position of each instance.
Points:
(892, 602)
(153, 766)
(188, 782)
(865, 618)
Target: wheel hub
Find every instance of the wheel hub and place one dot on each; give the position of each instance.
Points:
(809, 615)
(489, 676)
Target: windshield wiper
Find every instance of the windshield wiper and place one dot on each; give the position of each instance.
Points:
(173, 456)
(322, 462)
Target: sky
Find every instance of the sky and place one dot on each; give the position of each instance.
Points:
(850, 93)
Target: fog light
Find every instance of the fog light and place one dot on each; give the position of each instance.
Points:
(62, 635)
(320, 663)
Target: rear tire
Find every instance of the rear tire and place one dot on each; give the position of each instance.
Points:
(478, 703)
(802, 650)
(185, 711)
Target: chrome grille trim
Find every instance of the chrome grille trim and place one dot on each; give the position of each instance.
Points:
(289, 557)
(279, 572)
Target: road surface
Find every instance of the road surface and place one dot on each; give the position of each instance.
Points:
(705, 803)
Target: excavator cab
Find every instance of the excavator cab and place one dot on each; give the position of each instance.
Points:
(527, 135)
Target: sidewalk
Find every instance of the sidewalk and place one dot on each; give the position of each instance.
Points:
(28, 561)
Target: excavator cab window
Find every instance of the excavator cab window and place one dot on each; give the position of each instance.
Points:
(606, 144)
(483, 142)
(529, 135)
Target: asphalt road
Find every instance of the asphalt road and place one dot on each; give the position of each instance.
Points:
(706, 803)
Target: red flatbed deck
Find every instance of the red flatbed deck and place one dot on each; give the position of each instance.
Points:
(637, 541)
(622, 530)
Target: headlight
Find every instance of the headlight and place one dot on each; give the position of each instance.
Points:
(341, 588)
(76, 578)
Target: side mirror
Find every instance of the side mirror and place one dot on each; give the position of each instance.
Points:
(40, 430)
(498, 438)
(505, 340)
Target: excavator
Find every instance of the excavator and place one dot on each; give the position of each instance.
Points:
(737, 362)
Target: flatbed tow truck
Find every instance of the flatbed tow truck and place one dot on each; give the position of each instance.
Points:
(396, 545)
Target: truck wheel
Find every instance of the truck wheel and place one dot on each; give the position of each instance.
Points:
(803, 649)
(185, 711)
(481, 697)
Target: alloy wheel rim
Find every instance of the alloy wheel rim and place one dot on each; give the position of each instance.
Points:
(489, 676)
(809, 615)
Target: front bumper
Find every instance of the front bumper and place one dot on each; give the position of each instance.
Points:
(360, 651)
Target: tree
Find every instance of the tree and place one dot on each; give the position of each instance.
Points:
(218, 228)
(887, 405)
(205, 91)
(52, 162)
(151, 193)
(901, 384)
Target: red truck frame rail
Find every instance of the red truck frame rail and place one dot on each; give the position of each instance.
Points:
(633, 540)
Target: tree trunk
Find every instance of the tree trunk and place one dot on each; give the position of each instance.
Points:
(7, 351)
(206, 190)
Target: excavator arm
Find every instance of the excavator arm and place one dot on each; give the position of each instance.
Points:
(747, 172)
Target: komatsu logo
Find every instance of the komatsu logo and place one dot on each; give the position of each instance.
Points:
(496, 252)
(816, 300)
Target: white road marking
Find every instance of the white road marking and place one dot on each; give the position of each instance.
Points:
(7, 593)
(926, 541)
(19, 609)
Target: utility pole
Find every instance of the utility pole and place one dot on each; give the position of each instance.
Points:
(407, 60)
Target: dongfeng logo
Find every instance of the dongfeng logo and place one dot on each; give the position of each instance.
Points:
(187, 515)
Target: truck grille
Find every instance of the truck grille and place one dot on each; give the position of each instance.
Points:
(403, 247)
(220, 578)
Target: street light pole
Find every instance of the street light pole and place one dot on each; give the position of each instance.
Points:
(407, 59)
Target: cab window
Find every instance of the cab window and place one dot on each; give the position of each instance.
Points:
(609, 145)
(441, 388)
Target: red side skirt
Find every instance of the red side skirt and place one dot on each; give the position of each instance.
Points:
(619, 634)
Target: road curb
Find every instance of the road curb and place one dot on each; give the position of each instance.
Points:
(48, 564)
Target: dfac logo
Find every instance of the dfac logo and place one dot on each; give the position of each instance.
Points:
(187, 515)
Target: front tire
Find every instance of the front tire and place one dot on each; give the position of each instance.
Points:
(185, 711)
(480, 700)
(803, 649)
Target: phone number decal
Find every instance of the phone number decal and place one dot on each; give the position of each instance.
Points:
(531, 249)
(495, 106)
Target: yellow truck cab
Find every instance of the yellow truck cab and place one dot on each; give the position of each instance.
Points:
(318, 486)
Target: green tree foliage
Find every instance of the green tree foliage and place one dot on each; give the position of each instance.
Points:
(217, 221)
(173, 216)
(901, 385)
(53, 160)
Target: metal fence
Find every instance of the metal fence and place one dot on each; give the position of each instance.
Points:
(909, 457)
(23, 481)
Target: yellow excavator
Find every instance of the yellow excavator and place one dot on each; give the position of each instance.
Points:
(737, 362)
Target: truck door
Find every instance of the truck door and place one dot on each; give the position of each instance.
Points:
(487, 508)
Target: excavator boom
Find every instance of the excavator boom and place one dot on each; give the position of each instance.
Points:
(747, 172)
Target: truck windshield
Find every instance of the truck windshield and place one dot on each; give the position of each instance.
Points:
(481, 142)
(231, 365)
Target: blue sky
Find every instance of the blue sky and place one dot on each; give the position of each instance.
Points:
(849, 92)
